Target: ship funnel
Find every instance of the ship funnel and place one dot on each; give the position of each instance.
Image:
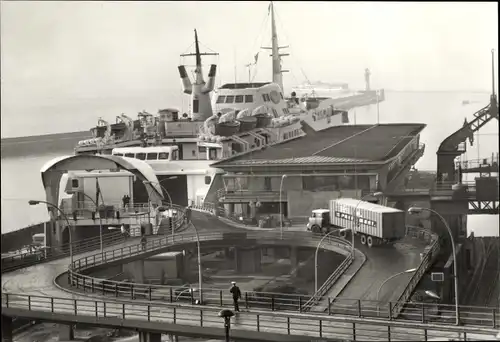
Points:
(209, 86)
(186, 83)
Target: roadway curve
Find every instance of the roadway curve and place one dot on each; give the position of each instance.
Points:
(38, 280)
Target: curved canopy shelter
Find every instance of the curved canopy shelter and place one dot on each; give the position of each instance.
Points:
(53, 170)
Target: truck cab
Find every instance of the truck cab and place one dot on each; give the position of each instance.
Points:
(319, 220)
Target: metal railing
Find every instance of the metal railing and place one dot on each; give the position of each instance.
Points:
(17, 261)
(14, 262)
(426, 262)
(328, 284)
(483, 316)
(318, 326)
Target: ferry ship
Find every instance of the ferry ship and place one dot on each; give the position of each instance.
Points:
(242, 117)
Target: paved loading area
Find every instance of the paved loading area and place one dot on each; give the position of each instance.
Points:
(362, 280)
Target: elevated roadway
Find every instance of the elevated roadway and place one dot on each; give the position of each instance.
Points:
(38, 280)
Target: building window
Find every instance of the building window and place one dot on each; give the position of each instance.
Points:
(239, 99)
(285, 136)
(75, 183)
(248, 98)
(196, 106)
(152, 156)
(230, 99)
(221, 99)
(202, 149)
(267, 183)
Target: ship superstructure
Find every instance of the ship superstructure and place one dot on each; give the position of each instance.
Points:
(240, 118)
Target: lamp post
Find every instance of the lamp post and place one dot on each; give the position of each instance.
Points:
(226, 314)
(199, 261)
(417, 210)
(169, 198)
(356, 222)
(411, 270)
(34, 202)
(281, 214)
(316, 256)
(100, 221)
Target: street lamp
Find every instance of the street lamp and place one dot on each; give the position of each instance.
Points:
(411, 270)
(169, 198)
(418, 210)
(226, 314)
(281, 215)
(316, 256)
(356, 221)
(162, 187)
(100, 220)
(199, 261)
(34, 202)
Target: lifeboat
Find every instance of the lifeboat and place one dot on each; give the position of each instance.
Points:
(262, 116)
(247, 121)
(227, 125)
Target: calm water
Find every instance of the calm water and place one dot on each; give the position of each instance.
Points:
(442, 112)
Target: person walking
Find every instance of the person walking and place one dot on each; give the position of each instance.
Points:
(235, 291)
(143, 242)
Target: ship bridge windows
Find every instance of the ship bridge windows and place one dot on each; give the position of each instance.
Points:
(238, 99)
(248, 98)
(221, 99)
(130, 155)
(152, 156)
(229, 99)
(119, 154)
(163, 156)
(141, 156)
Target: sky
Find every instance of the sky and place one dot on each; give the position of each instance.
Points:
(65, 52)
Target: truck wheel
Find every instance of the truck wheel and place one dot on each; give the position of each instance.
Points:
(315, 229)
(362, 238)
(324, 230)
(369, 241)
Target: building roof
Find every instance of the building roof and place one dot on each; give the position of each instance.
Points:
(340, 144)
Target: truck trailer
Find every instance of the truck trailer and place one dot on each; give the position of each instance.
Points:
(375, 224)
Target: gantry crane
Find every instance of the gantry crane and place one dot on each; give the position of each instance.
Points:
(455, 144)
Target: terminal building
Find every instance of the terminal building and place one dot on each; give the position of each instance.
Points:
(305, 172)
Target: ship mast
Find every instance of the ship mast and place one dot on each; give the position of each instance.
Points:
(276, 56)
(199, 91)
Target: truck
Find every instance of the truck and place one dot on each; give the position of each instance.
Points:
(375, 224)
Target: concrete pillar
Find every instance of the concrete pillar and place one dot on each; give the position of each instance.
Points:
(6, 329)
(229, 207)
(145, 336)
(248, 260)
(136, 270)
(172, 338)
(66, 332)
